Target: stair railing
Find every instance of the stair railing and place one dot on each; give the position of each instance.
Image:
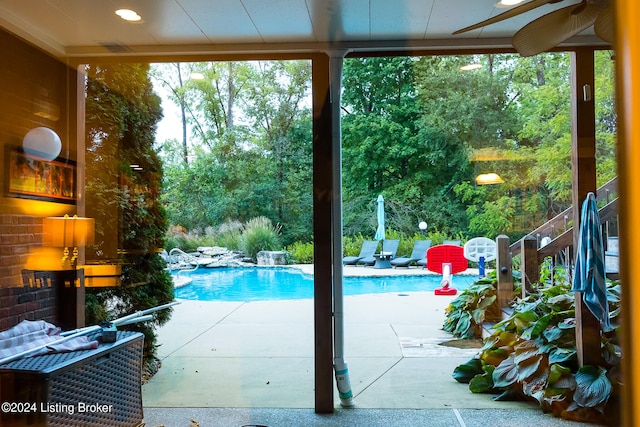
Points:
(179, 258)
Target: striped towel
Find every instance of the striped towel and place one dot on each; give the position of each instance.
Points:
(589, 276)
(29, 334)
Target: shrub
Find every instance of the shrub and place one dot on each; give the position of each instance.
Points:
(260, 235)
(178, 237)
(301, 253)
(230, 235)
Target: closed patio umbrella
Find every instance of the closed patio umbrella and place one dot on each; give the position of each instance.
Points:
(589, 276)
(380, 211)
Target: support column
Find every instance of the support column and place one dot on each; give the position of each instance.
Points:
(323, 172)
(628, 94)
(583, 150)
(530, 264)
(505, 274)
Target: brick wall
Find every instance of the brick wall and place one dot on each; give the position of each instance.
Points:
(26, 302)
(28, 77)
(19, 234)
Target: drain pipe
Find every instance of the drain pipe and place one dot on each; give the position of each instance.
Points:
(340, 366)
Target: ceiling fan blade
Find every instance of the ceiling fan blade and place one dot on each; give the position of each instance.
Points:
(515, 11)
(604, 26)
(550, 30)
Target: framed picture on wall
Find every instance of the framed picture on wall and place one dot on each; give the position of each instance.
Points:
(32, 178)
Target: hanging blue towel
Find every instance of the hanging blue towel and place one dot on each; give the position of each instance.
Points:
(589, 276)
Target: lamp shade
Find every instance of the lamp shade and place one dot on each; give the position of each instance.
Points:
(42, 143)
(489, 178)
(68, 231)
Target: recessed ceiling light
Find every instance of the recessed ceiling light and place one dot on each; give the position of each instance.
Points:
(128, 15)
(470, 67)
(196, 76)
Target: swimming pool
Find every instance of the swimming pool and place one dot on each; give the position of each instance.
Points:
(280, 283)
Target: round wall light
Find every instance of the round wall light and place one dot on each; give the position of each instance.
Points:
(42, 143)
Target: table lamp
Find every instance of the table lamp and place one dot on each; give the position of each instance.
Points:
(68, 232)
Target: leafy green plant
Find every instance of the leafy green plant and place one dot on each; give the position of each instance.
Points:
(466, 313)
(229, 235)
(301, 253)
(259, 234)
(532, 355)
(188, 241)
(351, 245)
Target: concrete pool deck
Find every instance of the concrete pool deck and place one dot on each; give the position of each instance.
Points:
(229, 363)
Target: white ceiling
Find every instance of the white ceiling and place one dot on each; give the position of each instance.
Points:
(90, 28)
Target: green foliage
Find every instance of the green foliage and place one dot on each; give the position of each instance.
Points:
(121, 114)
(301, 253)
(351, 245)
(259, 234)
(466, 312)
(532, 355)
(188, 241)
(408, 132)
(230, 235)
(232, 170)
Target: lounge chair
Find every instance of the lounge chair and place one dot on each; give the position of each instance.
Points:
(387, 246)
(369, 248)
(418, 254)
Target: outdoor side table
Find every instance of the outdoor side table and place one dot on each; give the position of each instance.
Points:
(383, 260)
(99, 387)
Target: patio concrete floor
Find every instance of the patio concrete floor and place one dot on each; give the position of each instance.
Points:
(228, 364)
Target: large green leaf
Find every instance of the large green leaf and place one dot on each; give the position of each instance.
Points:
(552, 334)
(593, 388)
(540, 326)
(556, 372)
(526, 350)
(478, 315)
(560, 355)
(464, 373)
(463, 326)
(531, 366)
(562, 302)
(495, 356)
(482, 383)
(506, 373)
(524, 319)
(487, 301)
(489, 343)
(554, 291)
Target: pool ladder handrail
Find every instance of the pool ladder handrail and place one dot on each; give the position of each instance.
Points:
(184, 258)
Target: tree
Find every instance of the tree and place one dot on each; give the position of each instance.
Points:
(253, 157)
(123, 194)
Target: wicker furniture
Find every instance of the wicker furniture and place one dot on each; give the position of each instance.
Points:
(98, 387)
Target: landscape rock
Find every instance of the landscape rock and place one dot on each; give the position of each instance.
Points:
(211, 257)
(272, 258)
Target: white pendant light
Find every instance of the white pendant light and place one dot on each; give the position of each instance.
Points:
(42, 143)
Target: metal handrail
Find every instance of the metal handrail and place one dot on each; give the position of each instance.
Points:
(183, 256)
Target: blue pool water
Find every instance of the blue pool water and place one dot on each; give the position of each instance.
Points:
(262, 284)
